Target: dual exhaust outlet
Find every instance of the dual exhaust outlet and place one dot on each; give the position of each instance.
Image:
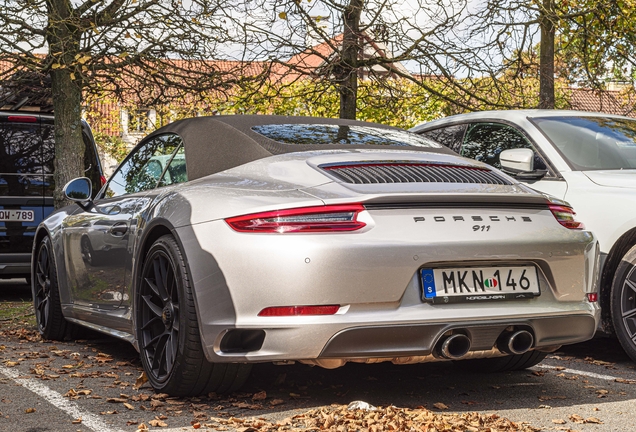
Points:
(456, 346)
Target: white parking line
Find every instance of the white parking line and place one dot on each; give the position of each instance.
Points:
(89, 420)
(579, 372)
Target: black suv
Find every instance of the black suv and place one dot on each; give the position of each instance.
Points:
(27, 151)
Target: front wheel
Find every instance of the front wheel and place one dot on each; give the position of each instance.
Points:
(623, 303)
(168, 333)
(46, 295)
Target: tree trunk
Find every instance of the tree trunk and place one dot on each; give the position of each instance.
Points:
(546, 59)
(63, 37)
(69, 145)
(348, 70)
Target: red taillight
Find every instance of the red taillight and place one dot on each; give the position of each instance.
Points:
(330, 218)
(592, 297)
(102, 179)
(23, 119)
(565, 216)
(299, 310)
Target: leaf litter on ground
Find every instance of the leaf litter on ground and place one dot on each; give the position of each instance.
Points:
(340, 418)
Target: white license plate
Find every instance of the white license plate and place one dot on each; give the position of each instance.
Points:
(475, 284)
(17, 215)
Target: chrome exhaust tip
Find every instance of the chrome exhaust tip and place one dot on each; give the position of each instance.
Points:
(455, 346)
(518, 342)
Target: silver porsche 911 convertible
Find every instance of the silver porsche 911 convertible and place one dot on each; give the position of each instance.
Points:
(224, 241)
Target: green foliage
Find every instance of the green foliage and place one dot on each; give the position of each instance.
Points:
(598, 46)
(393, 102)
(113, 146)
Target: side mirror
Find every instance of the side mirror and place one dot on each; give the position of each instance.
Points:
(519, 163)
(79, 191)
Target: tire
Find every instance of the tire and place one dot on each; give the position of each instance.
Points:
(46, 295)
(623, 303)
(502, 364)
(168, 332)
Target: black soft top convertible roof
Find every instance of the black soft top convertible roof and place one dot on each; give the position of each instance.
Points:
(217, 143)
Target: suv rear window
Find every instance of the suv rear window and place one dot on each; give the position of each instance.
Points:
(20, 149)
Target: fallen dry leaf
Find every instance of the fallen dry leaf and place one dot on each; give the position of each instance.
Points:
(116, 400)
(576, 418)
(558, 421)
(157, 423)
(29, 410)
(262, 395)
(129, 406)
(142, 427)
(625, 381)
(276, 402)
(77, 421)
(141, 380)
(593, 420)
(440, 406)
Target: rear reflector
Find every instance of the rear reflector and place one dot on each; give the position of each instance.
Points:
(592, 297)
(299, 310)
(102, 180)
(565, 216)
(330, 218)
(23, 119)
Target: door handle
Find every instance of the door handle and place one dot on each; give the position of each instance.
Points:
(119, 229)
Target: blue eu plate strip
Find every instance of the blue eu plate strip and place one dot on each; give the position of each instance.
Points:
(428, 282)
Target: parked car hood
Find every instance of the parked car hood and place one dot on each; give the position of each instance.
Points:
(613, 178)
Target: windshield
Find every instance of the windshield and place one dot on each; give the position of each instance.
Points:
(592, 143)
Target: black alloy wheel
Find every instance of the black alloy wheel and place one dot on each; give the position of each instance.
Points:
(159, 314)
(168, 332)
(623, 303)
(46, 297)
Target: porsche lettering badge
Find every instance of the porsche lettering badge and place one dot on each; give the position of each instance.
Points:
(474, 219)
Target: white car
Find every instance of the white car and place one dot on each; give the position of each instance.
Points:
(587, 159)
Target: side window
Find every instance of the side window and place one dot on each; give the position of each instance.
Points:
(449, 136)
(176, 172)
(143, 167)
(485, 141)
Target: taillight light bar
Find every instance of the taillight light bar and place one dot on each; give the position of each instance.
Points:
(329, 218)
(565, 216)
(299, 310)
(22, 119)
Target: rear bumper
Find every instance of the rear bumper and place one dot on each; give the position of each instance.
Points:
(15, 265)
(331, 339)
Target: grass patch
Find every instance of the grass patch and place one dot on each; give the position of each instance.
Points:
(13, 311)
